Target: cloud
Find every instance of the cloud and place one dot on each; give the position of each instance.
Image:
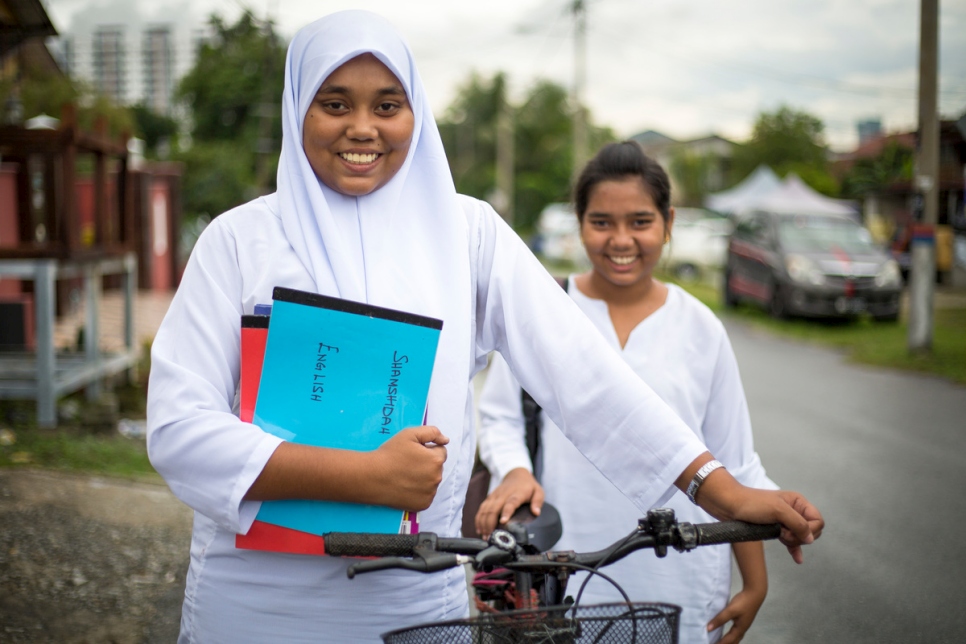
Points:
(686, 67)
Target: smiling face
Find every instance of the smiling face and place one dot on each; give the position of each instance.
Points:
(358, 129)
(623, 231)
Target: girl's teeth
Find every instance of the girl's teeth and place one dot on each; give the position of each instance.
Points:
(623, 261)
(359, 159)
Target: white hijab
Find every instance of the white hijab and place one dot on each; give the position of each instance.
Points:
(403, 246)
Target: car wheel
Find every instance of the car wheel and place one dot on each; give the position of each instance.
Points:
(777, 305)
(686, 272)
(730, 299)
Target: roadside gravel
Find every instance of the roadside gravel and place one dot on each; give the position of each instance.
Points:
(86, 559)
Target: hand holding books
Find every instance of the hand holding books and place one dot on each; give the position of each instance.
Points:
(407, 469)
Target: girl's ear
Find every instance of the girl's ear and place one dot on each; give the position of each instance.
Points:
(669, 224)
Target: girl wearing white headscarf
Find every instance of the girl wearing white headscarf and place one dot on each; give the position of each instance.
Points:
(412, 244)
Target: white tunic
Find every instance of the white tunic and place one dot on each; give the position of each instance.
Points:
(210, 458)
(682, 351)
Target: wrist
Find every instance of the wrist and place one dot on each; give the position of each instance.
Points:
(699, 477)
(720, 495)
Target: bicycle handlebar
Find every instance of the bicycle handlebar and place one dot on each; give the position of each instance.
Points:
(710, 534)
(426, 552)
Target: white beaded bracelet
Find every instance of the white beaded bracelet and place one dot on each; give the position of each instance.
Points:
(699, 478)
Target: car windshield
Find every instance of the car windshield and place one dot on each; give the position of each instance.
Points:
(803, 233)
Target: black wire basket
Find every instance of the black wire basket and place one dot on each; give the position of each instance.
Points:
(636, 623)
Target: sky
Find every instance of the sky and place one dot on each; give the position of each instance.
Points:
(686, 68)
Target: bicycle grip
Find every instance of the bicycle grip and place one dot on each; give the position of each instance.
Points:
(363, 544)
(735, 532)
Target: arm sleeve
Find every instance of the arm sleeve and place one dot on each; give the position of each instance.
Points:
(727, 423)
(502, 436)
(583, 386)
(207, 455)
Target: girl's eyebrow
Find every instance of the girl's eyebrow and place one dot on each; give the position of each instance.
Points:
(608, 215)
(392, 90)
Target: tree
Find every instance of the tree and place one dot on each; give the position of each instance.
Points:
(156, 129)
(44, 92)
(543, 141)
(695, 175)
(873, 174)
(232, 95)
(787, 141)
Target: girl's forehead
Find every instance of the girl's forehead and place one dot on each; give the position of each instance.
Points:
(364, 69)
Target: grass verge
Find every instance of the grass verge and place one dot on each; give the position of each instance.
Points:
(864, 341)
(86, 438)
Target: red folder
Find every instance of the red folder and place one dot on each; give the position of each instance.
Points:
(254, 334)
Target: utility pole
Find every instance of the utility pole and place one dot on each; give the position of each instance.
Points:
(579, 8)
(267, 111)
(504, 152)
(923, 246)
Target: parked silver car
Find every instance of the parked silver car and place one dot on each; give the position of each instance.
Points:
(810, 265)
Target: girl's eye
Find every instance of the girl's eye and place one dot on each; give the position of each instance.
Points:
(334, 106)
(387, 108)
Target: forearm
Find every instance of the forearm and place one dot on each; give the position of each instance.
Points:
(297, 471)
(750, 557)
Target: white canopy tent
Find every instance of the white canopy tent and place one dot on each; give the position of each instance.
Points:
(794, 197)
(763, 190)
(758, 184)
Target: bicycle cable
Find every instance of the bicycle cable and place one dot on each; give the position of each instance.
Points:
(593, 570)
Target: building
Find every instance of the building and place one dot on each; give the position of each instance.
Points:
(158, 68)
(890, 204)
(110, 63)
(696, 167)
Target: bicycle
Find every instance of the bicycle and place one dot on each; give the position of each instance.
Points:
(518, 558)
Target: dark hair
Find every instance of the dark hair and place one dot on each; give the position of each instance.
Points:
(617, 161)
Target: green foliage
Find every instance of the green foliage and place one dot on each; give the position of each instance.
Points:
(544, 152)
(543, 143)
(469, 134)
(46, 93)
(233, 94)
(43, 92)
(242, 68)
(154, 128)
(217, 177)
(870, 175)
(787, 141)
(692, 174)
(77, 450)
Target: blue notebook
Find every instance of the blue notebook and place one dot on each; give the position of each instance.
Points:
(343, 375)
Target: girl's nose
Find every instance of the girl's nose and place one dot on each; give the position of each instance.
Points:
(362, 127)
(622, 237)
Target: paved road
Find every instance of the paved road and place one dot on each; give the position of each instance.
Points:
(883, 454)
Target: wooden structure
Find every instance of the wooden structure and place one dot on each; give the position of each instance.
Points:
(55, 243)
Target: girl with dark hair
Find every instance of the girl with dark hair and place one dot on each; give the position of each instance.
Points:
(676, 345)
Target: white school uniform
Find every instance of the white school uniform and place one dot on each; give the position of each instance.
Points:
(413, 244)
(682, 351)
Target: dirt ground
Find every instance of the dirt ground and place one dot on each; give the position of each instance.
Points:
(86, 559)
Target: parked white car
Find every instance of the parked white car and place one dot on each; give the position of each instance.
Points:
(558, 235)
(699, 244)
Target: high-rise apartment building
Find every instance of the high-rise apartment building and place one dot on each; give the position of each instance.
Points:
(158, 66)
(109, 62)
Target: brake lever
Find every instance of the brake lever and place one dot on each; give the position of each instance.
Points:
(426, 561)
